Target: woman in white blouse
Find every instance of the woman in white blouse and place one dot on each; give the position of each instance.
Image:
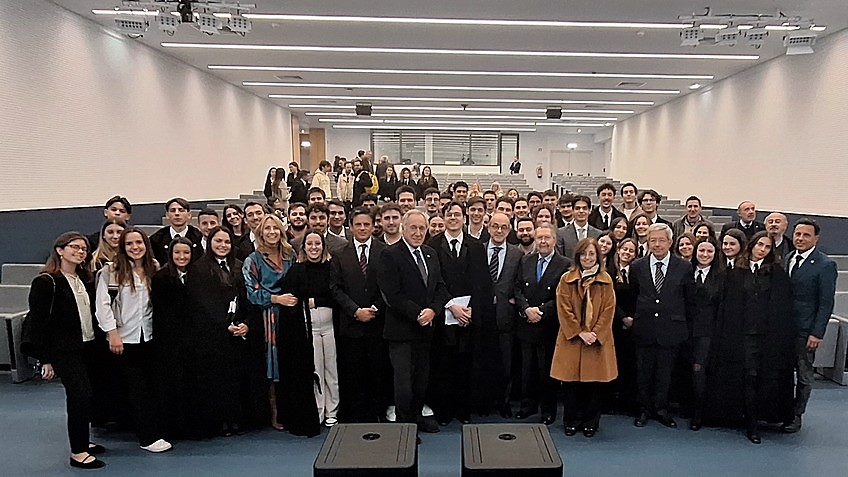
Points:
(125, 313)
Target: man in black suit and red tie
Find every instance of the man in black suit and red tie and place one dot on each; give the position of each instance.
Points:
(747, 223)
(363, 356)
(813, 276)
(410, 280)
(665, 288)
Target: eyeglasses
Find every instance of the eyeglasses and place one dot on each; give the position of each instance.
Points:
(77, 248)
(499, 227)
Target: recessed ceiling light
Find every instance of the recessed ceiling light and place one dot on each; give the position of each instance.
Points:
(579, 130)
(544, 74)
(518, 89)
(446, 51)
(461, 100)
(465, 21)
(695, 86)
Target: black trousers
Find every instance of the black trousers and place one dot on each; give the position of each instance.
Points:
(363, 378)
(582, 404)
(138, 368)
(654, 366)
(411, 365)
(450, 381)
(700, 357)
(74, 370)
(506, 342)
(537, 385)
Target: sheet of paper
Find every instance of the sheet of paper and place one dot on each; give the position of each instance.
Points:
(461, 301)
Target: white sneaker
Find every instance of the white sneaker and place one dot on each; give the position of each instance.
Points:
(159, 446)
(426, 411)
(390, 414)
(331, 421)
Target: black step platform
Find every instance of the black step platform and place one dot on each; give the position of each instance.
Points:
(514, 450)
(360, 450)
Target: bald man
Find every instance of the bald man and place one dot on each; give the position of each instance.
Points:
(747, 223)
(776, 225)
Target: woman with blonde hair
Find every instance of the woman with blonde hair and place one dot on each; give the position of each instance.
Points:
(496, 188)
(110, 237)
(584, 356)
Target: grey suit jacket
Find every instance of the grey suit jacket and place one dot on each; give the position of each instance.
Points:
(503, 289)
(567, 238)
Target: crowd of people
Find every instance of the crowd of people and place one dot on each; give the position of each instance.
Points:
(350, 299)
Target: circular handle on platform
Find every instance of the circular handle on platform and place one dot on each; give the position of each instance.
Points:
(506, 437)
(371, 436)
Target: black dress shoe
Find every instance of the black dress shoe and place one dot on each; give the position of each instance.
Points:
(464, 418)
(667, 421)
(589, 431)
(428, 425)
(570, 430)
(505, 411)
(695, 424)
(548, 420)
(523, 414)
(641, 419)
(791, 427)
(444, 421)
(95, 449)
(754, 437)
(89, 462)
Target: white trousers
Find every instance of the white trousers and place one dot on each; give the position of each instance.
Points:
(324, 349)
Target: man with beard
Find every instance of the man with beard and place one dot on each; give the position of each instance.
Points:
(297, 221)
(526, 232)
(317, 216)
(431, 202)
(405, 196)
(390, 216)
(520, 210)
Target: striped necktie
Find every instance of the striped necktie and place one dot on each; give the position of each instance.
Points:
(494, 262)
(659, 277)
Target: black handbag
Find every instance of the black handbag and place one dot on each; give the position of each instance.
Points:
(28, 347)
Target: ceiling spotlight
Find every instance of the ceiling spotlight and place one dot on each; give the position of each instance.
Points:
(695, 86)
(579, 130)
(305, 143)
(572, 145)
(799, 43)
(727, 37)
(817, 27)
(691, 36)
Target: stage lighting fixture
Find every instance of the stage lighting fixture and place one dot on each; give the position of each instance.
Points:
(553, 112)
(799, 43)
(363, 109)
(132, 25)
(756, 37)
(167, 23)
(239, 24)
(727, 37)
(208, 23)
(691, 36)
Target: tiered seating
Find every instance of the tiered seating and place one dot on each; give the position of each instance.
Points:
(507, 181)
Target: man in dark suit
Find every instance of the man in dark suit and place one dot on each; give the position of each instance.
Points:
(363, 357)
(813, 276)
(361, 181)
(178, 213)
(569, 235)
(649, 200)
(602, 215)
(410, 280)
(499, 334)
(462, 260)
(537, 324)
(504, 205)
(338, 218)
(317, 215)
(665, 288)
(747, 223)
(776, 225)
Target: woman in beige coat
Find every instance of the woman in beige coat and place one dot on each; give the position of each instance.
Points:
(585, 353)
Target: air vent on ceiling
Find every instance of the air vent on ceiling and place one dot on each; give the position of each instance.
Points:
(631, 84)
(289, 77)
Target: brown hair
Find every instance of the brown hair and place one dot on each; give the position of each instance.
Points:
(104, 250)
(124, 264)
(301, 251)
(54, 261)
(581, 247)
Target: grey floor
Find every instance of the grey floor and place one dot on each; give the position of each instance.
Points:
(33, 442)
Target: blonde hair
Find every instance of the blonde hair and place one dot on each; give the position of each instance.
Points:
(283, 247)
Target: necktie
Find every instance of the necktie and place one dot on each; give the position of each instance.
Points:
(540, 269)
(363, 260)
(422, 269)
(756, 268)
(624, 277)
(224, 266)
(700, 278)
(659, 277)
(797, 265)
(641, 250)
(606, 221)
(176, 236)
(493, 263)
(454, 249)
(581, 233)
(730, 264)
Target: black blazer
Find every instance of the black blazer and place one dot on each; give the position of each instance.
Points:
(662, 318)
(244, 247)
(361, 182)
(60, 331)
(707, 300)
(299, 192)
(597, 220)
(406, 294)
(783, 250)
(542, 293)
(515, 167)
(161, 240)
(352, 290)
(749, 232)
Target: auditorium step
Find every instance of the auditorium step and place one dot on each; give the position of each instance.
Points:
(19, 273)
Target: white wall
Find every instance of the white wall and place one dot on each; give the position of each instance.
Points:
(346, 142)
(87, 113)
(774, 134)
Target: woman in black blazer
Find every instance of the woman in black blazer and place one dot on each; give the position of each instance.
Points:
(63, 337)
(173, 344)
(624, 397)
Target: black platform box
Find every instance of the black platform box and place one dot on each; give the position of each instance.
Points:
(360, 450)
(514, 450)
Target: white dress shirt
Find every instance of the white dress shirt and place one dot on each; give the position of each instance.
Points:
(458, 238)
(132, 313)
(358, 246)
(584, 229)
(704, 272)
(756, 265)
(490, 249)
(174, 232)
(664, 261)
(804, 256)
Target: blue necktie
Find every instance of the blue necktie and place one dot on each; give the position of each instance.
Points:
(540, 268)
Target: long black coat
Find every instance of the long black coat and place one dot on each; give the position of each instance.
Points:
(161, 241)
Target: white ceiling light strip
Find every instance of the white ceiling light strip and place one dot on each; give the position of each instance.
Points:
(459, 100)
(430, 128)
(461, 116)
(517, 89)
(446, 51)
(456, 123)
(542, 74)
(467, 21)
(459, 108)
